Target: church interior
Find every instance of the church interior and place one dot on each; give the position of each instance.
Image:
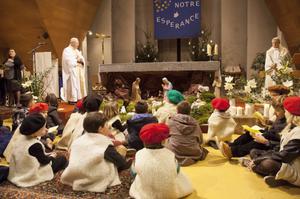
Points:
(172, 98)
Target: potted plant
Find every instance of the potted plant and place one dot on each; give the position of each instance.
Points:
(37, 84)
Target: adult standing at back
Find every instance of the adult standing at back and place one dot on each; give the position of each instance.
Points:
(73, 73)
(12, 74)
(274, 57)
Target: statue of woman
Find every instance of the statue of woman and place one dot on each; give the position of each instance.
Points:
(166, 85)
(217, 85)
(135, 90)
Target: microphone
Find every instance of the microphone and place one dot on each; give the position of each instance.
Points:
(42, 43)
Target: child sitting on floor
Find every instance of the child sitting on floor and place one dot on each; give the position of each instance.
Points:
(220, 124)
(134, 125)
(53, 118)
(91, 103)
(94, 162)
(63, 143)
(49, 137)
(5, 136)
(185, 136)
(265, 141)
(29, 164)
(169, 107)
(4, 170)
(283, 166)
(111, 112)
(20, 113)
(157, 172)
(41, 108)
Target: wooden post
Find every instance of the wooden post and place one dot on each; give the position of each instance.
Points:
(178, 50)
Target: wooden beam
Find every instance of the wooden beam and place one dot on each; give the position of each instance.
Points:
(66, 19)
(287, 16)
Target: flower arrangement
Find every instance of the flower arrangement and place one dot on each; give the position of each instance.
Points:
(229, 86)
(37, 85)
(283, 74)
(244, 89)
(249, 92)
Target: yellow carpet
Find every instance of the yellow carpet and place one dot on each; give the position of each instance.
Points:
(217, 178)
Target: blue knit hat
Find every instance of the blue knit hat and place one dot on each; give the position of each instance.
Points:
(175, 96)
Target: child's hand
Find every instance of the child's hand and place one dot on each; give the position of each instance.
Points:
(53, 155)
(117, 143)
(110, 135)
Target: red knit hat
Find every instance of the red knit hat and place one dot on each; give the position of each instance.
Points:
(79, 104)
(38, 107)
(154, 133)
(220, 104)
(292, 105)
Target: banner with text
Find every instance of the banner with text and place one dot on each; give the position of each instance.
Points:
(176, 18)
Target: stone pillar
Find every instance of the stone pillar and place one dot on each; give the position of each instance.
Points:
(261, 28)
(143, 19)
(234, 32)
(101, 25)
(211, 18)
(123, 31)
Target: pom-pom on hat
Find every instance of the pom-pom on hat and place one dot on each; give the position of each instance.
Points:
(32, 123)
(38, 107)
(175, 96)
(79, 104)
(154, 133)
(220, 104)
(292, 105)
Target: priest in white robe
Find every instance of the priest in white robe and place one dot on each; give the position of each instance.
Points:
(274, 57)
(73, 73)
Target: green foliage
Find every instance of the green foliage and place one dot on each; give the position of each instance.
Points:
(38, 83)
(130, 107)
(258, 63)
(124, 117)
(285, 73)
(120, 103)
(202, 113)
(198, 46)
(102, 105)
(146, 52)
(191, 98)
(203, 119)
(207, 97)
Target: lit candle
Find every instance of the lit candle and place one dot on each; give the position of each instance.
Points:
(216, 50)
(233, 110)
(248, 110)
(239, 111)
(208, 49)
(266, 110)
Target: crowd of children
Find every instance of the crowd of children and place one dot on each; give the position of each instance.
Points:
(99, 144)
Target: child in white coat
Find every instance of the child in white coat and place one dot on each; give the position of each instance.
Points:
(220, 124)
(94, 162)
(156, 169)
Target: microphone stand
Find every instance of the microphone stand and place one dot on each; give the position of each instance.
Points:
(33, 51)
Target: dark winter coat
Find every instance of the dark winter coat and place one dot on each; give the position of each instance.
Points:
(133, 127)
